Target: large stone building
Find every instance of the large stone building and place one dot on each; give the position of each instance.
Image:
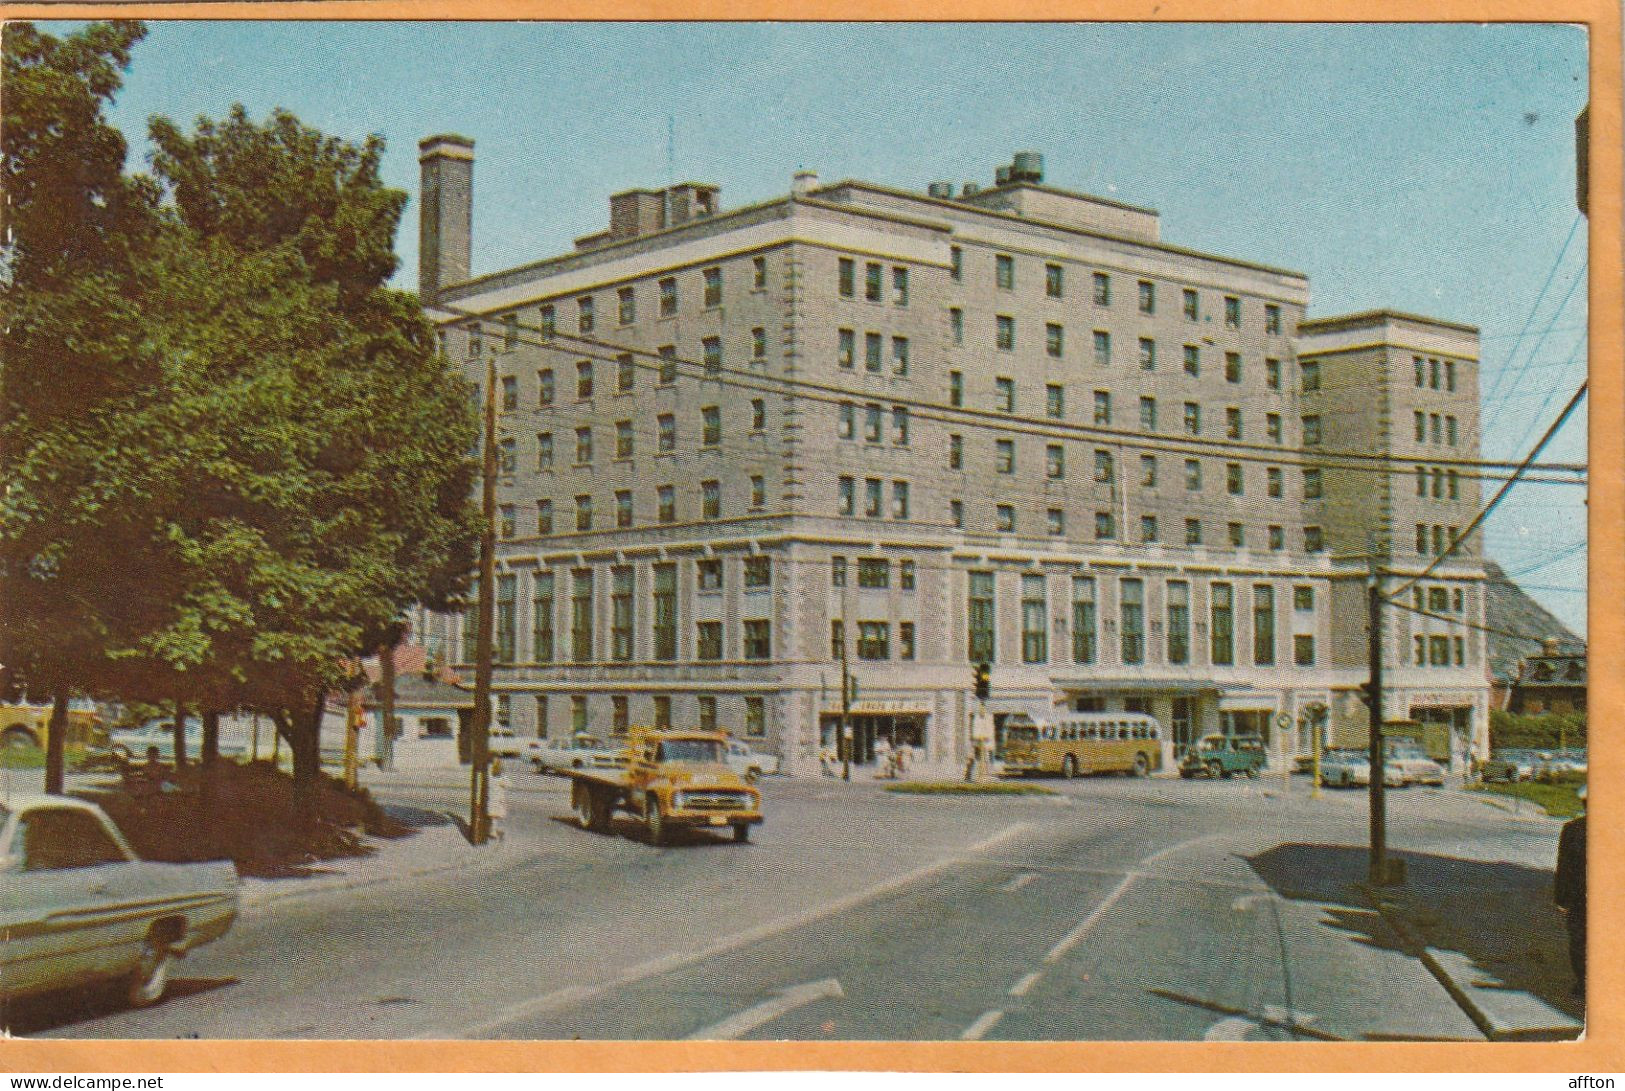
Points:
(1008, 425)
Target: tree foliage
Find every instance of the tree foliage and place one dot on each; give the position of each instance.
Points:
(1545, 731)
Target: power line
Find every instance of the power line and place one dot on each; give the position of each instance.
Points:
(1530, 321)
(1409, 609)
(1579, 279)
(1550, 394)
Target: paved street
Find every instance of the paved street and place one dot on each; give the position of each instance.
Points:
(1124, 909)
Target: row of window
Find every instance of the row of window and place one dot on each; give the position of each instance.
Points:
(625, 511)
(626, 437)
(1439, 600)
(874, 640)
(620, 716)
(1105, 529)
(1005, 339)
(1004, 278)
(1105, 469)
(874, 491)
(1437, 483)
(1428, 373)
(1004, 401)
(1435, 651)
(1177, 649)
(873, 573)
(1428, 428)
(1434, 540)
(626, 372)
(874, 282)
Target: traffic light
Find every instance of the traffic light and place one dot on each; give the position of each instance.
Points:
(1365, 693)
(984, 681)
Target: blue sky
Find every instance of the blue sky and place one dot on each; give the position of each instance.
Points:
(1427, 168)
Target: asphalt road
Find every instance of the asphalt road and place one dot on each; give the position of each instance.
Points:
(1123, 910)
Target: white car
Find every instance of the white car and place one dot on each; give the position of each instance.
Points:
(76, 905)
(1352, 769)
(576, 752)
(503, 743)
(1414, 764)
(131, 744)
(750, 763)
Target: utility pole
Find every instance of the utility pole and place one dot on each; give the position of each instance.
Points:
(480, 743)
(846, 708)
(1378, 870)
(386, 700)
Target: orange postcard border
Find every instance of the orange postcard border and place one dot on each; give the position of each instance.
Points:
(1603, 1048)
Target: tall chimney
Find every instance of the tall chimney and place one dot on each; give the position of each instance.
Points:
(446, 219)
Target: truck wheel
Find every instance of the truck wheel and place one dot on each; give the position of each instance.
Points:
(1069, 767)
(741, 832)
(603, 811)
(654, 821)
(584, 806)
(1142, 765)
(1214, 770)
(150, 978)
(19, 738)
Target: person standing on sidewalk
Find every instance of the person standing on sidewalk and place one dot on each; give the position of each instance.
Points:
(496, 800)
(1569, 892)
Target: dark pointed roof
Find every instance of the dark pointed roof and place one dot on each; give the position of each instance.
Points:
(1507, 607)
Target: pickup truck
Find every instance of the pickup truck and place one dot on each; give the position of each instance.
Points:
(671, 779)
(1224, 755)
(77, 905)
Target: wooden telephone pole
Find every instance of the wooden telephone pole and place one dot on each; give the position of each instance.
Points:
(480, 742)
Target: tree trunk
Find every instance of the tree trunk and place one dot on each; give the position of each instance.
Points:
(386, 699)
(210, 752)
(56, 737)
(180, 735)
(306, 744)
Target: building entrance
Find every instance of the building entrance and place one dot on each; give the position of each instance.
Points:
(876, 733)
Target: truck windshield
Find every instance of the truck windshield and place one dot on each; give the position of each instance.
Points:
(1023, 734)
(691, 750)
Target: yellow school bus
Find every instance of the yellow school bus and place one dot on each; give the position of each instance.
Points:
(1086, 742)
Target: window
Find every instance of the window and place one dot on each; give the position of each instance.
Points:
(837, 571)
(708, 640)
(507, 592)
(846, 420)
(710, 426)
(874, 572)
(1103, 466)
(1272, 427)
(758, 414)
(623, 439)
(1004, 395)
(544, 451)
(874, 640)
(1433, 420)
(1454, 483)
(1232, 313)
(758, 639)
(1004, 456)
(899, 355)
(979, 617)
(549, 320)
(1054, 281)
(1272, 318)
(62, 839)
(1103, 348)
(1438, 599)
(1056, 521)
(1272, 482)
(1313, 540)
(758, 491)
(1193, 360)
(1450, 375)
(956, 513)
(899, 286)
(1054, 343)
(758, 344)
(1193, 475)
(1148, 528)
(1309, 375)
(665, 612)
(1034, 621)
(713, 287)
(1311, 483)
(1420, 370)
(510, 393)
(1193, 419)
(1148, 354)
(1233, 482)
(1303, 598)
(1179, 622)
(1460, 646)
(873, 277)
(956, 262)
(625, 373)
(711, 348)
(506, 523)
(544, 387)
(1148, 297)
(956, 452)
(1237, 535)
(1103, 290)
(755, 717)
(1232, 423)
(584, 512)
(1277, 538)
(872, 345)
(956, 325)
(584, 314)
(1054, 461)
(1004, 271)
(710, 500)
(1450, 430)
(758, 269)
(847, 278)
(848, 497)
(1103, 407)
(541, 631)
(1131, 603)
(1006, 336)
(1148, 414)
(846, 347)
(1005, 519)
(905, 640)
(1190, 304)
(1193, 532)
(583, 446)
(1311, 430)
(837, 639)
(1232, 367)
(628, 311)
(1263, 625)
(956, 389)
(1433, 374)
(899, 499)
(1438, 651)
(1083, 619)
(544, 517)
(1421, 419)
(1105, 525)
(1221, 627)
(1303, 649)
(708, 712)
(581, 615)
(620, 614)
(758, 572)
(1148, 471)
(1055, 400)
(623, 508)
(666, 504)
(662, 712)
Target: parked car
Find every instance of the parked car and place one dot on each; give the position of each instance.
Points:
(503, 743)
(576, 752)
(1352, 769)
(76, 905)
(131, 744)
(1510, 766)
(1414, 764)
(1562, 764)
(1224, 755)
(750, 763)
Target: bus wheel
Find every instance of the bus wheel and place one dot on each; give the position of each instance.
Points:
(1069, 767)
(1214, 770)
(1142, 765)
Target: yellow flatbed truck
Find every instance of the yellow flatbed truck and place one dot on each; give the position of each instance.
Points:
(671, 779)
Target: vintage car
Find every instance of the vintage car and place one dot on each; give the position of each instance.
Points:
(1352, 769)
(1224, 755)
(749, 763)
(1510, 766)
(77, 906)
(1414, 764)
(576, 752)
(132, 744)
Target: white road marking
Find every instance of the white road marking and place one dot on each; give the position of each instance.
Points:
(679, 959)
(1288, 1017)
(1019, 881)
(1232, 1029)
(767, 1011)
(982, 1025)
(1247, 901)
(1074, 937)
(1022, 987)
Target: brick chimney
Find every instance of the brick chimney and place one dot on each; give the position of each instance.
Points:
(446, 214)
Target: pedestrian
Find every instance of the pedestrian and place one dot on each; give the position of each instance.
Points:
(496, 800)
(1569, 892)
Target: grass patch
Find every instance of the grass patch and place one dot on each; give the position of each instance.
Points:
(961, 788)
(1558, 800)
